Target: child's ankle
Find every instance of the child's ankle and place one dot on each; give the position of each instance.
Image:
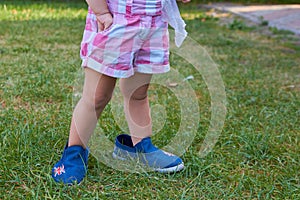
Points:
(74, 143)
(135, 140)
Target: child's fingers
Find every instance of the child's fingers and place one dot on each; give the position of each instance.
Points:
(104, 21)
(107, 25)
(100, 27)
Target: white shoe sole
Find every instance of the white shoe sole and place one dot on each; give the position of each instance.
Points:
(176, 168)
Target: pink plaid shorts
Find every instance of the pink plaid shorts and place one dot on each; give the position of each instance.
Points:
(137, 41)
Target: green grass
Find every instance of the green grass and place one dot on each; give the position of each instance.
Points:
(256, 156)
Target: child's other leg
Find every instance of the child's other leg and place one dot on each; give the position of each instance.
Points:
(136, 105)
(137, 113)
(97, 92)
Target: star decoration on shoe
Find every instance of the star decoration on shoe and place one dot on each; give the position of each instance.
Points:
(59, 170)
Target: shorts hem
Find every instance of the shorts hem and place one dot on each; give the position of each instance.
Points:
(142, 68)
(152, 69)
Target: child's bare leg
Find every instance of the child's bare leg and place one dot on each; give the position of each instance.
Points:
(136, 105)
(97, 92)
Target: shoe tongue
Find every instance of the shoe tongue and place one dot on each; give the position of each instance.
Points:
(145, 146)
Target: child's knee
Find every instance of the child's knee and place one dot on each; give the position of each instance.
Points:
(140, 94)
(96, 102)
(101, 101)
(132, 93)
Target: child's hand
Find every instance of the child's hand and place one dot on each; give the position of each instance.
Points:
(104, 21)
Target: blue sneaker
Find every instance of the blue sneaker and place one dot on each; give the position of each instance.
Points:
(72, 167)
(158, 160)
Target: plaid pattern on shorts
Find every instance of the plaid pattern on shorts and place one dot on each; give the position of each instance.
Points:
(137, 41)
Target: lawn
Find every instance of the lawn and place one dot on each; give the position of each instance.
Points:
(257, 155)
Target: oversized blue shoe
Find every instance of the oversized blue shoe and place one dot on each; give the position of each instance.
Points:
(154, 158)
(72, 167)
